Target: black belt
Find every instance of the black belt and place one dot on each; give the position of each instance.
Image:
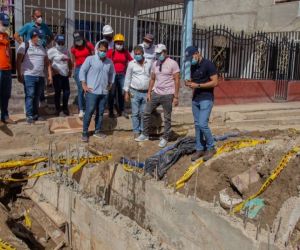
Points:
(140, 90)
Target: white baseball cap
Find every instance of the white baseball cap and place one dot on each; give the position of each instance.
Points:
(160, 47)
(107, 30)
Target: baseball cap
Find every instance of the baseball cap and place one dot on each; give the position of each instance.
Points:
(60, 38)
(149, 37)
(190, 51)
(5, 19)
(77, 36)
(160, 48)
(36, 32)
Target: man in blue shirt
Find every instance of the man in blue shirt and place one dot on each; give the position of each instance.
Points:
(203, 80)
(36, 23)
(96, 76)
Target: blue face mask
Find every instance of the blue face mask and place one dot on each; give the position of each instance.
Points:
(161, 58)
(101, 54)
(194, 62)
(138, 58)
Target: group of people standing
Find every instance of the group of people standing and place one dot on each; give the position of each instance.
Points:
(108, 74)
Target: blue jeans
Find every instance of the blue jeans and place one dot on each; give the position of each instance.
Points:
(138, 103)
(201, 112)
(117, 93)
(94, 102)
(80, 92)
(5, 92)
(32, 87)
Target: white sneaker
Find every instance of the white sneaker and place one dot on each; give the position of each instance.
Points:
(162, 143)
(142, 138)
(81, 114)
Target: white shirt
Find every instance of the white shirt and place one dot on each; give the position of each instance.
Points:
(137, 75)
(60, 60)
(149, 53)
(34, 60)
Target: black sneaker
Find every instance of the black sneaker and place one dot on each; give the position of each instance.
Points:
(209, 154)
(197, 155)
(30, 120)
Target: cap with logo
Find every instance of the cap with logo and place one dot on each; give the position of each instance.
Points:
(60, 38)
(4, 18)
(36, 32)
(77, 36)
(190, 51)
(160, 48)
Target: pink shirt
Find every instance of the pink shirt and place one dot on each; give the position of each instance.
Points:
(164, 80)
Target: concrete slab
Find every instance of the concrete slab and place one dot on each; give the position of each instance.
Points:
(242, 181)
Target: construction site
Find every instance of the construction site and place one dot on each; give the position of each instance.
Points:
(58, 193)
(113, 193)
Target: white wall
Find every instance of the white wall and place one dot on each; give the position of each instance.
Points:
(248, 15)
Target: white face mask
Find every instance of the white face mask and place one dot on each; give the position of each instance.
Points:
(39, 20)
(79, 43)
(60, 47)
(119, 47)
(146, 45)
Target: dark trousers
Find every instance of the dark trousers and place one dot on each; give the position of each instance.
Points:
(116, 94)
(94, 102)
(5, 92)
(166, 101)
(61, 84)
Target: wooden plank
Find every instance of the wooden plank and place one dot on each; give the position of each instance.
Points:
(48, 225)
(56, 216)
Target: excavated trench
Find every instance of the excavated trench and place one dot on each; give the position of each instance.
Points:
(102, 206)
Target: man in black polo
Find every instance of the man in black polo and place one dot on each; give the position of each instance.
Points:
(203, 80)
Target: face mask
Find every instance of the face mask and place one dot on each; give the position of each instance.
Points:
(146, 45)
(39, 20)
(60, 47)
(138, 58)
(119, 47)
(101, 54)
(79, 43)
(161, 58)
(194, 61)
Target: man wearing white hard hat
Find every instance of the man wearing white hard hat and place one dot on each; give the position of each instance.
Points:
(108, 35)
(163, 90)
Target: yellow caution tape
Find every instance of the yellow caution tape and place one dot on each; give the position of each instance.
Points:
(283, 163)
(33, 162)
(21, 163)
(36, 175)
(75, 169)
(93, 159)
(225, 148)
(6, 246)
(27, 220)
(129, 168)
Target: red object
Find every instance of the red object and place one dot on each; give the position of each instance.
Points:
(243, 91)
(81, 53)
(4, 52)
(120, 60)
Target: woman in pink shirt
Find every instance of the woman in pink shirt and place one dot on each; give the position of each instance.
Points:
(120, 57)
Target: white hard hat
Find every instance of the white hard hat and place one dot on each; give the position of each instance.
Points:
(107, 30)
(160, 47)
